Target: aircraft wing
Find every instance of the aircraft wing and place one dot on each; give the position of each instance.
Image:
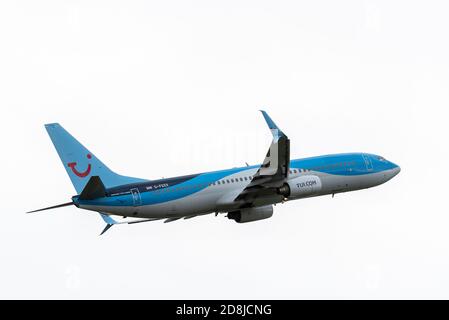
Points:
(273, 171)
(111, 222)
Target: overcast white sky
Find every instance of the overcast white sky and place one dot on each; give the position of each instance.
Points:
(165, 88)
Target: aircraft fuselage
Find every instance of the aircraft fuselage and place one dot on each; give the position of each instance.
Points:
(209, 192)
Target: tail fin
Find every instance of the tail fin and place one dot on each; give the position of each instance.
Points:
(80, 163)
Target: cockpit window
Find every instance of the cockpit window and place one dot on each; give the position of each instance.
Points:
(382, 159)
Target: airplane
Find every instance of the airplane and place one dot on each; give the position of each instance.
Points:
(245, 194)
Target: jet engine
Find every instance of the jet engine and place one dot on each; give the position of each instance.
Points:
(251, 214)
(301, 187)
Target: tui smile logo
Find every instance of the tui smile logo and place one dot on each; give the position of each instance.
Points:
(84, 174)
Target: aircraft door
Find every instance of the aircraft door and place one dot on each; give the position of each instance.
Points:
(137, 201)
(368, 163)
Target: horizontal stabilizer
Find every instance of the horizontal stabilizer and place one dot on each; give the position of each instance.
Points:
(53, 207)
(110, 221)
(94, 189)
(108, 226)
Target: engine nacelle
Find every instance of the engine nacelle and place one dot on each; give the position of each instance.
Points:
(301, 187)
(251, 214)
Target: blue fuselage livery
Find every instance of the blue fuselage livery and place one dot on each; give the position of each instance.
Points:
(199, 193)
(246, 194)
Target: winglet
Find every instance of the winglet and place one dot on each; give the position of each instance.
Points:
(273, 127)
(109, 222)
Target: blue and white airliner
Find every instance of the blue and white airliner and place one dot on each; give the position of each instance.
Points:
(246, 194)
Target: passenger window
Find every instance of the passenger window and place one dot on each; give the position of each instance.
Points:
(228, 181)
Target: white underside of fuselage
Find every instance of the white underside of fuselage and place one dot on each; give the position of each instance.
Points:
(218, 198)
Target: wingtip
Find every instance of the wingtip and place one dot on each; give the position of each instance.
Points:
(268, 120)
(51, 125)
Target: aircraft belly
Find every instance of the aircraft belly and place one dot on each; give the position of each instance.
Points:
(198, 203)
(205, 201)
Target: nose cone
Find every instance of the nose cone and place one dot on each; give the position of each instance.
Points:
(396, 170)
